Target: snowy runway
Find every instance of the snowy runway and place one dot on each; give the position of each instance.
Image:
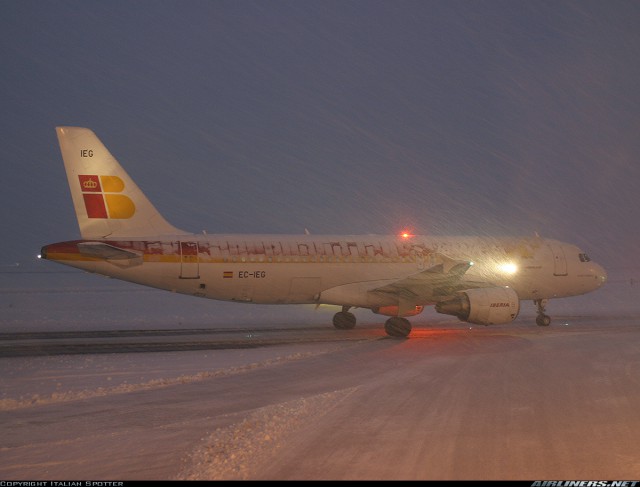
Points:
(449, 403)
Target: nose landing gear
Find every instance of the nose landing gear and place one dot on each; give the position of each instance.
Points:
(542, 319)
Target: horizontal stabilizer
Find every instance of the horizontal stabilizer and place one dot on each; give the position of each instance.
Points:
(105, 251)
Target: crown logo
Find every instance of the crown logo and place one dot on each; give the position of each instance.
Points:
(89, 184)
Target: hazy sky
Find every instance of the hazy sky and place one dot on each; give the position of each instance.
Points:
(351, 117)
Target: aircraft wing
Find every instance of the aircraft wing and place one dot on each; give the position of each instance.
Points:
(110, 253)
(441, 279)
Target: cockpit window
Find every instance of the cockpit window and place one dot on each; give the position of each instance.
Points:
(584, 258)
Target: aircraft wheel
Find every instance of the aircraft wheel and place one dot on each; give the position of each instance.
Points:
(344, 320)
(543, 320)
(397, 327)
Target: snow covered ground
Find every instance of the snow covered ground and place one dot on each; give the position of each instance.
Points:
(452, 402)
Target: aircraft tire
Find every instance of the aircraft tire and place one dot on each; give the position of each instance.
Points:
(543, 320)
(344, 320)
(397, 327)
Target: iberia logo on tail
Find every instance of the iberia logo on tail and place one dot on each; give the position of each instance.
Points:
(102, 198)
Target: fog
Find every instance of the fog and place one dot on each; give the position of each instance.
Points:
(364, 117)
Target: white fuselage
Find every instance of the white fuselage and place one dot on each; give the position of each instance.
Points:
(337, 270)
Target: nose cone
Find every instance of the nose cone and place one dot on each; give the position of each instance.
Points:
(43, 252)
(600, 275)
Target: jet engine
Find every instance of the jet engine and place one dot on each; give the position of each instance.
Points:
(483, 306)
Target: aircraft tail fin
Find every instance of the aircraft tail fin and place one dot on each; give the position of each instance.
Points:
(108, 203)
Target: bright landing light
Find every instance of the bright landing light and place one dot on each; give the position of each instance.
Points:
(508, 268)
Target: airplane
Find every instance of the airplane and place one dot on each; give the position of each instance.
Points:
(479, 280)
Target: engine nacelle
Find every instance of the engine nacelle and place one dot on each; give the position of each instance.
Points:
(483, 306)
(393, 311)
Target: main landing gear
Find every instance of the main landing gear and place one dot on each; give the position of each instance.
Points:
(394, 326)
(397, 327)
(542, 319)
(344, 320)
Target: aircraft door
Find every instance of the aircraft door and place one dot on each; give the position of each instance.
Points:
(189, 267)
(559, 260)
